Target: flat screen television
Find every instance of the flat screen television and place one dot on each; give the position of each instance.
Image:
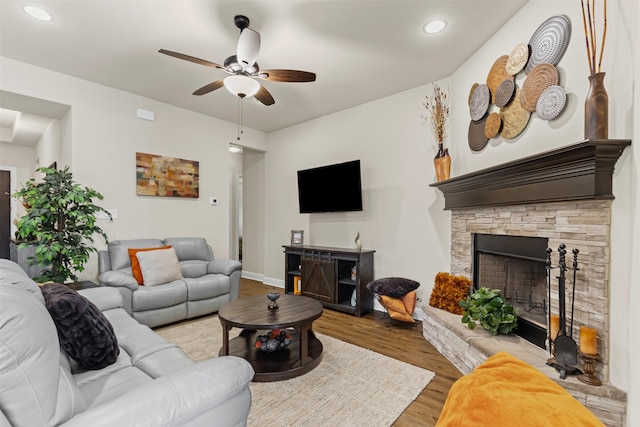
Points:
(331, 188)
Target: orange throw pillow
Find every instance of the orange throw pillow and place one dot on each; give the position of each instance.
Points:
(135, 264)
(409, 301)
(396, 308)
(448, 291)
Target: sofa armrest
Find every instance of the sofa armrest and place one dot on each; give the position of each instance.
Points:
(212, 392)
(223, 266)
(118, 279)
(104, 298)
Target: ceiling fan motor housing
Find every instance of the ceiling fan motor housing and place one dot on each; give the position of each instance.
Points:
(241, 22)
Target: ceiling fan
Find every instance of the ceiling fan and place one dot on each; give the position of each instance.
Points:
(243, 68)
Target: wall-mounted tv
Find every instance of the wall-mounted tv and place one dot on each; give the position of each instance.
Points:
(331, 188)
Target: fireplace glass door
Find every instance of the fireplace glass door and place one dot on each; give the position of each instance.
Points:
(516, 266)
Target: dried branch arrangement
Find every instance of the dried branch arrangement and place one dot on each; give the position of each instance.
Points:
(590, 32)
(438, 107)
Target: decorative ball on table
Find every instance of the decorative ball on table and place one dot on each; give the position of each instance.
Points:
(277, 339)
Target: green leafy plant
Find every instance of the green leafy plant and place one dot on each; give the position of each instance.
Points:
(60, 222)
(491, 309)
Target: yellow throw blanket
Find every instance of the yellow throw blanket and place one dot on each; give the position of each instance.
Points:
(505, 391)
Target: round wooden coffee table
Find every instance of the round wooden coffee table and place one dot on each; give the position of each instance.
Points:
(295, 313)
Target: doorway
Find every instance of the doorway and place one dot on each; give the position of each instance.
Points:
(236, 157)
(5, 213)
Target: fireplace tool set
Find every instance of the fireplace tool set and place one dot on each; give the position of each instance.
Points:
(564, 350)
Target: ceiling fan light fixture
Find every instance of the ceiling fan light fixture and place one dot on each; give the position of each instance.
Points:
(435, 26)
(37, 13)
(241, 86)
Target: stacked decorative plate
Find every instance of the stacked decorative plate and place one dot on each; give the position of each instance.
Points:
(514, 117)
(549, 42)
(540, 78)
(479, 102)
(540, 90)
(551, 102)
(497, 75)
(477, 138)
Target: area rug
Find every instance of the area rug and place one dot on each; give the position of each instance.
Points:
(352, 386)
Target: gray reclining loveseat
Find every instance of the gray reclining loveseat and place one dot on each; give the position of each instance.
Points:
(204, 285)
(151, 383)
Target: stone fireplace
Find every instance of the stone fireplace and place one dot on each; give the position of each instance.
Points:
(583, 225)
(558, 197)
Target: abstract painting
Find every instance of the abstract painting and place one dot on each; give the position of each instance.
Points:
(166, 176)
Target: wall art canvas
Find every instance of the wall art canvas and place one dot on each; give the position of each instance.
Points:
(166, 176)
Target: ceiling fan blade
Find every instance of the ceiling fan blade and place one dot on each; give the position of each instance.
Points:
(248, 47)
(288, 76)
(210, 87)
(264, 96)
(191, 59)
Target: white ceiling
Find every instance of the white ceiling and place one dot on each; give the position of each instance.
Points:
(361, 50)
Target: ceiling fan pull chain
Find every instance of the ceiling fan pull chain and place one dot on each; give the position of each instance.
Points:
(239, 117)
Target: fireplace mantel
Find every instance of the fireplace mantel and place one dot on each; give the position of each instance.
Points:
(581, 171)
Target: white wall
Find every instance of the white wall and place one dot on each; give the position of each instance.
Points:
(253, 221)
(631, 299)
(403, 218)
(49, 147)
(101, 136)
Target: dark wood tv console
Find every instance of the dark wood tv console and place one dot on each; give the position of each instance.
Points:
(325, 274)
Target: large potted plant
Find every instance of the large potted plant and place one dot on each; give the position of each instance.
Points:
(60, 223)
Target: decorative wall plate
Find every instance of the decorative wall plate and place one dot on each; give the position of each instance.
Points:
(497, 74)
(477, 138)
(551, 102)
(540, 78)
(492, 125)
(473, 87)
(514, 117)
(549, 42)
(504, 93)
(479, 102)
(517, 59)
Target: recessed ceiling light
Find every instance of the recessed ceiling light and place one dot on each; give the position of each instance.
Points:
(434, 26)
(38, 13)
(234, 149)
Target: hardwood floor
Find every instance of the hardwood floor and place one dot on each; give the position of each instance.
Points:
(406, 343)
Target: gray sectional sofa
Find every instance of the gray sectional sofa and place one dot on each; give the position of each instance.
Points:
(205, 285)
(151, 383)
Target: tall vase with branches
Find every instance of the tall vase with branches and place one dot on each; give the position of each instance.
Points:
(437, 106)
(596, 107)
(61, 223)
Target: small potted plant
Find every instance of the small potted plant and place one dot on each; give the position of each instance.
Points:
(491, 309)
(60, 222)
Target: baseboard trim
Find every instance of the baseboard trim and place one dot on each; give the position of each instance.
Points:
(278, 283)
(252, 276)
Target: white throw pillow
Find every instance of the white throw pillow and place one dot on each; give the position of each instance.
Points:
(159, 267)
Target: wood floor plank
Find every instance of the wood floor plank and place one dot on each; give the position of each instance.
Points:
(375, 332)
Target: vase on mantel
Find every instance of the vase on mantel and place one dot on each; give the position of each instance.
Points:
(442, 163)
(596, 109)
